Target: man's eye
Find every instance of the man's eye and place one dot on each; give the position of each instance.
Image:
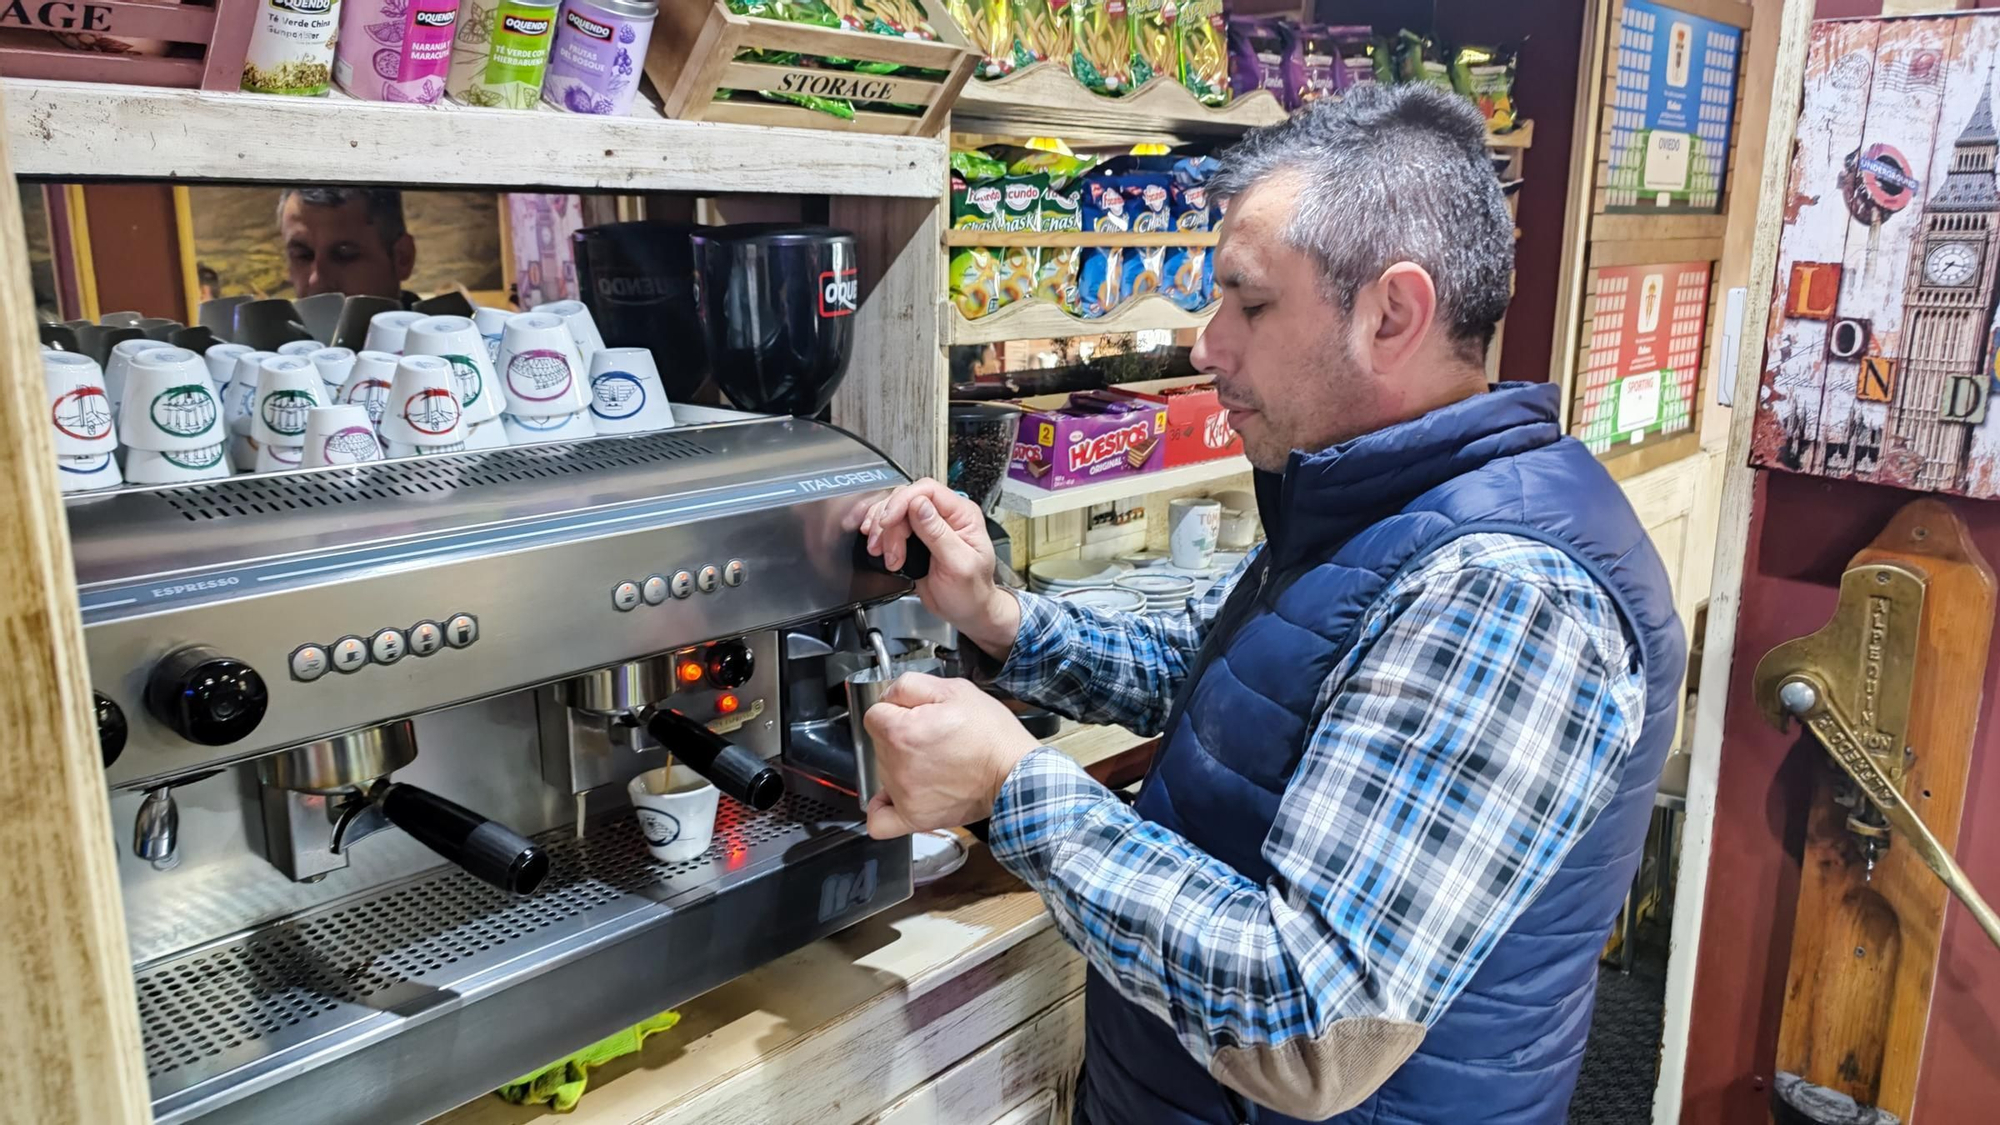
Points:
(300, 253)
(1251, 311)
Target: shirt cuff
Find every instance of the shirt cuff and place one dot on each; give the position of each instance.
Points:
(1040, 635)
(1040, 804)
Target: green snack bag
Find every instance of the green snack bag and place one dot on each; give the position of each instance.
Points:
(1204, 51)
(976, 166)
(1155, 43)
(1041, 30)
(989, 27)
(1382, 56)
(1419, 60)
(1055, 274)
(1021, 201)
(1486, 75)
(1101, 46)
(974, 206)
(974, 279)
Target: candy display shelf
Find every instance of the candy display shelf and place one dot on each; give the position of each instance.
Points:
(1039, 320)
(79, 129)
(1027, 500)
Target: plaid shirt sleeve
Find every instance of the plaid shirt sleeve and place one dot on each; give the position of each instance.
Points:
(1477, 728)
(1119, 669)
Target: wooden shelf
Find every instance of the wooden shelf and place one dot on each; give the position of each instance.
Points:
(1081, 238)
(1027, 500)
(1045, 98)
(1040, 320)
(1519, 138)
(94, 130)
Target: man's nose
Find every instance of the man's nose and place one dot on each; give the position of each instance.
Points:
(1206, 355)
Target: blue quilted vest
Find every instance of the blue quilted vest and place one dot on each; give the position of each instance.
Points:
(1341, 524)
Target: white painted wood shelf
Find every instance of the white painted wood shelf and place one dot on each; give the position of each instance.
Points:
(1045, 98)
(82, 129)
(1040, 320)
(1027, 500)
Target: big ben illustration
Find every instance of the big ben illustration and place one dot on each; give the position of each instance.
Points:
(1947, 307)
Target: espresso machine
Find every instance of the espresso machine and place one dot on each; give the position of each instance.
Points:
(370, 729)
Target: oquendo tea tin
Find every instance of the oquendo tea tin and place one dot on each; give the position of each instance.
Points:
(501, 53)
(599, 53)
(395, 50)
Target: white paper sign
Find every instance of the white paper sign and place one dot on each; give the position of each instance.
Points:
(1666, 166)
(1638, 402)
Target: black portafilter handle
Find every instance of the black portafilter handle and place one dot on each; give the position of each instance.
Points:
(729, 767)
(488, 849)
(916, 559)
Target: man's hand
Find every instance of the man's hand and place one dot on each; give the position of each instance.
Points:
(960, 587)
(944, 748)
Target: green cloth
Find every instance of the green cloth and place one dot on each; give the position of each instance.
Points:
(561, 1083)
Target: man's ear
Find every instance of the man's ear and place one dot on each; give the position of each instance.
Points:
(405, 254)
(1407, 303)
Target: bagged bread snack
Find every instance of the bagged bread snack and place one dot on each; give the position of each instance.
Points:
(1156, 45)
(1041, 31)
(1204, 51)
(1101, 46)
(989, 27)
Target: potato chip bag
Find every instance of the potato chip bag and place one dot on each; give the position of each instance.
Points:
(1139, 272)
(974, 279)
(1101, 46)
(1016, 276)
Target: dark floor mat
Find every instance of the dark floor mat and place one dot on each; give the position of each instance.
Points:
(1622, 1060)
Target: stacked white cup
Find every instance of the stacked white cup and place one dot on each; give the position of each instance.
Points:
(86, 437)
(386, 330)
(171, 420)
(543, 378)
(118, 368)
(367, 384)
(457, 341)
(239, 406)
(491, 323)
(340, 435)
(288, 388)
(335, 365)
(576, 317)
(424, 414)
(626, 395)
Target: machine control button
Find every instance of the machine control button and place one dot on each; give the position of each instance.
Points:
(309, 663)
(111, 727)
(425, 638)
(461, 630)
(683, 584)
(350, 654)
(730, 666)
(388, 646)
(708, 579)
(206, 697)
(732, 574)
(625, 596)
(655, 590)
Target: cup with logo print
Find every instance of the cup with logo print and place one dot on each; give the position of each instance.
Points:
(241, 401)
(118, 368)
(340, 435)
(576, 317)
(288, 386)
(562, 427)
(88, 472)
(456, 340)
(278, 458)
(79, 408)
(368, 384)
(423, 408)
(386, 330)
(170, 404)
(300, 347)
(491, 322)
(397, 450)
(181, 466)
(487, 435)
(626, 396)
(221, 359)
(541, 373)
(335, 365)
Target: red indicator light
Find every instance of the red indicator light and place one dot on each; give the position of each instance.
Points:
(727, 704)
(690, 672)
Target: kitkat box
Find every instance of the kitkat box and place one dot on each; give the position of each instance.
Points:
(1197, 425)
(1096, 437)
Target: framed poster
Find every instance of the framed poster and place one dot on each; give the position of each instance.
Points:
(1880, 360)
(1647, 325)
(1672, 102)
(543, 268)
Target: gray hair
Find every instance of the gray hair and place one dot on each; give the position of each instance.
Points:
(384, 206)
(1392, 174)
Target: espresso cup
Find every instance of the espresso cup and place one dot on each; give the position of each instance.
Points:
(335, 365)
(423, 408)
(626, 396)
(277, 458)
(221, 359)
(487, 435)
(534, 431)
(79, 408)
(397, 450)
(183, 466)
(118, 367)
(575, 316)
(288, 386)
(240, 404)
(676, 808)
(387, 330)
(340, 435)
(170, 404)
(456, 340)
(87, 473)
(491, 322)
(368, 384)
(541, 373)
(300, 347)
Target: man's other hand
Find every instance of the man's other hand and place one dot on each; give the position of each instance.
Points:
(943, 748)
(960, 587)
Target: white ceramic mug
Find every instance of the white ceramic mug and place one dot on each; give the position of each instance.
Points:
(118, 368)
(79, 407)
(534, 431)
(368, 384)
(278, 458)
(575, 316)
(491, 322)
(147, 466)
(626, 395)
(456, 340)
(300, 347)
(288, 387)
(1192, 525)
(676, 808)
(340, 435)
(487, 435)
(87, 473)
(170, 404)
(423, 407)
(335, 365)
(386, 330)
(222, 362)
(541, 372)
(240, 404)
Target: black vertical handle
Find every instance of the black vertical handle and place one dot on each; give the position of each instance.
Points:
(916, 558)
(729, 767)
(488, 849)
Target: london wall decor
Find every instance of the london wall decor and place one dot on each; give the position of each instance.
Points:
(1881, 358)
(1673, 99)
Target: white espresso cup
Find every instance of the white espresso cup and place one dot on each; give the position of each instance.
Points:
(170, 404)
(626, 395)
(582, 326)
(491, 322)
(300, 347)
(335, 365)
(1192, 525)
(534, 431)
(423, 408)
(386, 330)
(368, 384)
(676, 808)
(183, 466)
(222, 363)
(88, 473)
(456, 340)
(487, 435)
(240, 404)
(288, 387)
(397, 451)
(278, 458)
(79, 408)
(541, 373)
(118, 368)
(340, 435)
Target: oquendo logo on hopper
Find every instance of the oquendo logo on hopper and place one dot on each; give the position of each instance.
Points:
(839, 292)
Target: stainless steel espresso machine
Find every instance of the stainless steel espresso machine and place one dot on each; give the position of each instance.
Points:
(370, 730)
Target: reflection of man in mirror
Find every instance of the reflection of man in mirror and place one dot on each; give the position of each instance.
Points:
(347, 240)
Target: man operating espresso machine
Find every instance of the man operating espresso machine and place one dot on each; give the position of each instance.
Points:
(373, 731)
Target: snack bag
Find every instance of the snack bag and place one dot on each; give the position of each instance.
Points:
(1486, 75)
(1354, 54)
(1041, 31)
(1055, 271)
(1146, 202)
(1318, 61)
(1021, 201)
(1016, 277)
(1103, 205)
(1155, 41)
(1257, 52)
(974, 206)
(1421, 60)
(1184, 277)
(1204, 51)
(974, 279)
(989, 27)
(1101, 46)
(1100, 269)
(1061, 168)
(1382, 54)
(976, 166)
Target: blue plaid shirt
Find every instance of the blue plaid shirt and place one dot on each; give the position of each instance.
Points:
(1498, 663)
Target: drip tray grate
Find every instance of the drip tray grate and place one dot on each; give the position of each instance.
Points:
(210, 1011)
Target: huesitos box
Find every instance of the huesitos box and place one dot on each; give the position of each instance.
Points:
(1096, 437)
(1197, 425)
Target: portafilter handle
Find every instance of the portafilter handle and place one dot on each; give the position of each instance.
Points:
(488, 849)
(727, 766)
